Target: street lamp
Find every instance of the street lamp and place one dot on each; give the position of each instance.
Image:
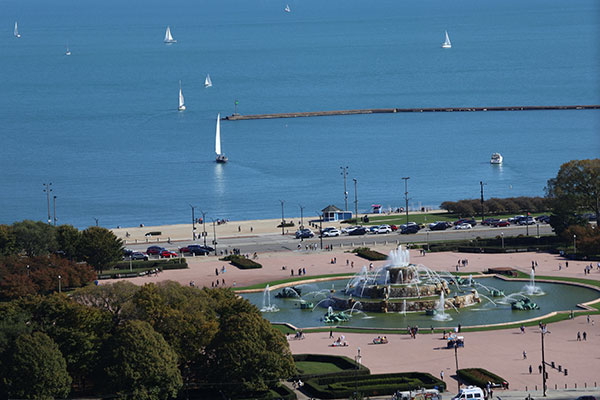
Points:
(482, 184)
(193, 223)
(543, 332)
(406, 195)
(320, 228)
(204, 226)
(357, 360)
(456, 359)
(427, 240)
(355, 200)
(301, 216)
(27, 269)
(345, 174)
(54, 204)
(282, 220)
(215, 235)
(48, 189)
(575, 244)
(502, 237)
(59, 283)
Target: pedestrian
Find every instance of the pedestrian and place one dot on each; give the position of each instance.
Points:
(522, 328)
(442, 375)
(216, 271)
(530, 370)
(584, 336)
(212, 284)
(347, 262)
(524, 355)
(303, 271)
(251, 229)
(540, 368)
(239, 228)
(234, 284)
(566, 264)
(579, 336)
(352, 264)
(330, 333)
(223, 281)
(588, 319)
(292, 271)
(299, 271)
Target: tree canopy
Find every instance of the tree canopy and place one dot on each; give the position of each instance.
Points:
(99, 247)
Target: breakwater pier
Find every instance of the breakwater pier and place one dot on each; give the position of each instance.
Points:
(238, 117)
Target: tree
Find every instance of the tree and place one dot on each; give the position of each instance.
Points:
(99, 247)
(115, 298)
(576, 189)
(247, 352)
(68, 238)
(36, 369)
(34, 237)
(8, 241)
(139, 364)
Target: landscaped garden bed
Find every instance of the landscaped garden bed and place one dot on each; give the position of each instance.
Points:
(480, 377)
(321, 366)
(241, 262)
(369, 254)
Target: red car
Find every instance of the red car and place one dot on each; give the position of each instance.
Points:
(394, 228)
(501, 224)
(168, 254)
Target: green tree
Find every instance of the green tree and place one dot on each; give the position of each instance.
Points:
(8, 241)
(36, 369)
(99, 247)
(68, 238)
(140, 364)
(34, 237)
(115, 298)
(247, 352)
(576, 189)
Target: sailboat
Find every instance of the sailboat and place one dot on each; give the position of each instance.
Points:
(447, 44)
(68, 52)
(16, 32)
(181, 100)
(207, 81)
(220, 156)
(287, 8)
(168, 36)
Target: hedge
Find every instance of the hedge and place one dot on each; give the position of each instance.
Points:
(278, 392)
(370, 385)
(369, 254)
(342, 362)
(241, 262)
(480, 377)
(121, 269)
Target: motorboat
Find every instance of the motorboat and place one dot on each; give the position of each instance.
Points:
(496, 158)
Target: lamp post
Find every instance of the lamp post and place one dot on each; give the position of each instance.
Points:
(575, 244)
(427, 240)
(301, 216)
(48, 189)
(406, 195)
(456, 359)
(543, 332)
(502, 237)
(345, 174)
(355, 200)
(357, 359)
(215, 235)
(482, 213)
(204, 226)
(27, 269)
(282, 220)
(320, 228)
(193, 223)
(54, 205)
(59, 284)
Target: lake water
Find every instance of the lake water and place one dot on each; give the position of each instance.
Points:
(102, 125)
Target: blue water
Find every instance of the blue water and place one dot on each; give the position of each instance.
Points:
(102, 125)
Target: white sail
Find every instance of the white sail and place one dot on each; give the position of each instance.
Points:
(287, 8)
(181, 100)
(16, 32)
(207, 81)
(447, 44)
(218, 136)
(168, 36)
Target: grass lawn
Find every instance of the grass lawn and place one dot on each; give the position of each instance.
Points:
(290, 280)
(314, 367)
(399, 219)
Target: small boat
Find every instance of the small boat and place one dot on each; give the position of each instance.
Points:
(16, 31)
(168, 37)
(68, 52)
(181, 100)
(496, 158)
(220, 156)
(447, 44)
(207, 81)
(287, 8)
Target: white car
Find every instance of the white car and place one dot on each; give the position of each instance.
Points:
(383, 229)
(463, 226)
(332, 232)
(349, 229)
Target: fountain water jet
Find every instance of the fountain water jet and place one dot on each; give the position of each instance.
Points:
(267, 307)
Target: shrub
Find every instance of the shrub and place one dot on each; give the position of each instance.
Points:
(286, 224)
(241, 261)
(170, 263)
(480, 377)
(369, 254)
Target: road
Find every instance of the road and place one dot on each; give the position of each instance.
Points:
(273, 242)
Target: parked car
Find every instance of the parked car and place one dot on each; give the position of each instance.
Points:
(470, 221)
(438, 226)
(543, 219)
(138, 255)
(394, 228)
(348, 229)
(515, 219)
(332, 232)
(373, 229)
(527, 221)
(195, 249)
(304, 233)
(168, 253)
(127, 253)
(501, 223)
(383, 229)
(464, 225)
(358, 231)
(410, 229)
(154, 250)
(407, 224)
(490, 221)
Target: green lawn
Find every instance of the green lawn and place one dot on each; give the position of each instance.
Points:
(399, 219)
(314, 367)
(291, 279)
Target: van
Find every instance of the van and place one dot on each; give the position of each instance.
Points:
(470, 392)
